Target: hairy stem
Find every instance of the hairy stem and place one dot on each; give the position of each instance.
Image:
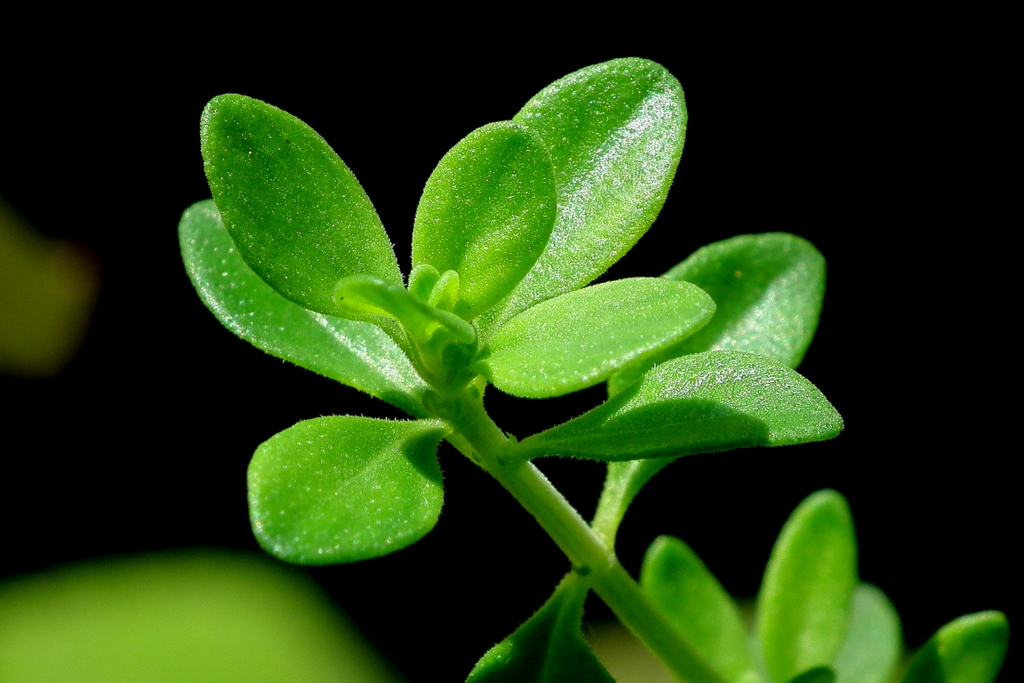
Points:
(588, 552)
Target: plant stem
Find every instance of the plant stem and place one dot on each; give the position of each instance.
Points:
(587, 552)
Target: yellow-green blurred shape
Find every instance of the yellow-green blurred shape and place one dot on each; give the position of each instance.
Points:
(199, 616)
(627, 659)
(48, 290)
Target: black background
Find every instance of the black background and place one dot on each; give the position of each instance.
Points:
(848, 135)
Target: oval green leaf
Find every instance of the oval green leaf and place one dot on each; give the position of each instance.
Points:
(970, 649)
(296, 212)
(579, 339)
(342, 489)
(683, 588)
(804, 604)
(486, 213)
(615, 132)
(548, 648)
(768, 290)
(357, 354)
(874, 639)
(703, 403)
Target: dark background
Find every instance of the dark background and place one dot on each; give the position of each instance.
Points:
(848, 135)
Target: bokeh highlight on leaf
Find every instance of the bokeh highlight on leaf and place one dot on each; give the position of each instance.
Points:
(294, 210)
(548, 648)
(615, 132)
(970, 649)
(694, 601)
(342, 489)
(768, 289)
(805, 599)
(579, 339)
(486, 213)
(357, 354)
(702, 403)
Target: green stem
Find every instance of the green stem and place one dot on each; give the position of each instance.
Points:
(587, 551)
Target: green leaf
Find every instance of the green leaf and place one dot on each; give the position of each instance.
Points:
(353, 353)
(703, 403)
(342, 489)
(486, 213)
(804, 603)
(970, 649)
(768, 290)
(548, 648)
(819, 674)
(197, 616)
(578, 339)
(296, 212)
(615, 132)
(687, 593)
(874, 640)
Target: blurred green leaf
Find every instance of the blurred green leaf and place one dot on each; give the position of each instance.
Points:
(578, 339)
(874, 640)
(296, 213)
(354, 353)
(691, 597)
(615, 132)
(768, 289)
(970, 649)
(819, 674)
(804, 603)
(702, 403)
(342, 489)
(48, 290)
(486, 213)
(548, 648)
(197, 616)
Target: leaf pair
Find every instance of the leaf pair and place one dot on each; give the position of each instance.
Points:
(768, 290)
(302, 222)
(814, 622)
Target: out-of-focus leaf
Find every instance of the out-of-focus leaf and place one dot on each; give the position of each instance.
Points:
(702, 403)
(341, 489)
(970, 649)
(683, 588)
(804, 603)
(874, 639)
(358, 354)
(48, 289)
(578, 339)
(296, 213)
(193, 616)
(615, 131)
(819, 674)
(548, 648)
(486, 213)
(768, 289)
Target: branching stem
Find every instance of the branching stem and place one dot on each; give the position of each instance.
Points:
(478, 437)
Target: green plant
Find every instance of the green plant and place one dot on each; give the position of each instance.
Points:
(514, 223)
